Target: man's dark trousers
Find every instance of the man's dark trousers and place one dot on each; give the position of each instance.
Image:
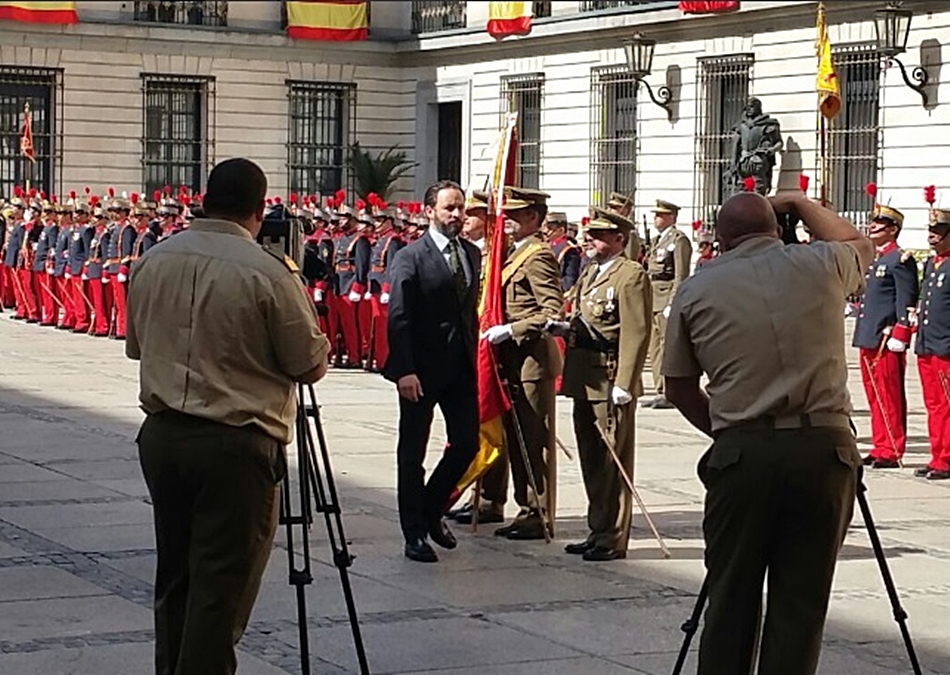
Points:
(214, 491)
(421, 502)
(778, 500)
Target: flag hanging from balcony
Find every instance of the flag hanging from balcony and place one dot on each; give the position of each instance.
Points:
(829, 97)
(509, 18)
(708, 6)
(331, 20)
(39, 12)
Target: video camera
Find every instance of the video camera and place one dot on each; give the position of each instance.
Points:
(284, 234)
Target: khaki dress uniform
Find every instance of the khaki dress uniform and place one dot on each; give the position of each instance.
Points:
(622, 205)
(612, 321)
(668, 266)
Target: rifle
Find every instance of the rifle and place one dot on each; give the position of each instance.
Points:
(647, 244)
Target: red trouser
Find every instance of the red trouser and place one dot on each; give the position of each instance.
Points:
(347, 317)
(380, 338)
(81, 304)
(330, 320)
(29, 307)
(7, 289)
(883, 379)
(935, 383)
(65, 286)
(118, 297)
(364, 324)
(49, 298)
(101, 296)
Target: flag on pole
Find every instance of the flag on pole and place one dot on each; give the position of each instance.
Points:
(509, 18)
(829, 97)
(26, 139)
(493, 403)
(708, 6)
(330, 20)
(39, 12)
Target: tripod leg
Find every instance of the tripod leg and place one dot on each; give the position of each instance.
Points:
(690, 626)
(900, 616)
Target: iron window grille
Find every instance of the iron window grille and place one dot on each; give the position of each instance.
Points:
(42, 89)
(322, 124)
(432, 16)
(598, 5)
(722, 92)
(853, 136)
(182, 13)
(522, 94)
(613, 133)
(541, 9)
(178, 146)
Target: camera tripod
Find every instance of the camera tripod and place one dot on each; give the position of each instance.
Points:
(691, 625)
(317, 493)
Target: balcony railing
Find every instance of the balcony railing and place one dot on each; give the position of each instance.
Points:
(597, 5)
(432, 17)
(183, 13)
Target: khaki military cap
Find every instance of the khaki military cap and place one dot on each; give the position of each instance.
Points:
(602, 219)
(556, 218)
(619, 201)
(939, 217)
(888, 215)
(522, 198)
(665, 207)
(477, 200)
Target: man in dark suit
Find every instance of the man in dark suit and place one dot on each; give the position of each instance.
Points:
(432, 329)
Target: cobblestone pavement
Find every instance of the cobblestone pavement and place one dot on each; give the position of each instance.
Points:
(77, 552)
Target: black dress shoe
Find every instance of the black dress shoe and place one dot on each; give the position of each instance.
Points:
(528, 529)
(579, 548)
(938, 475)
(922, 472)
(442, 535)
(487, 515)
(886, 464)
(503, 531)
(600, 554)
(418, 549)
(868, 460)
(460, 511)
(660, 403)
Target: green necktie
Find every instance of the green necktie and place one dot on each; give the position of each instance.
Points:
(458, 272)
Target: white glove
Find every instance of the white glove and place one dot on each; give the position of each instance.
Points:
(123, 278)
(384, 298)
(620, 396)
(104, 280)
(497, 334)
(68, 275)
(666, 312)
(85, 277)
(558, 328)
(848, 310)
(354, 296)
(367, 295)
(317, 295)
(896, 345)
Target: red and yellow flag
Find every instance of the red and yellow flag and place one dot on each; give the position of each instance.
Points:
(493, 403)
(509, 18)
(330, 20)
(829, 96)
(708, 6)
(26, 138)
(39, 12)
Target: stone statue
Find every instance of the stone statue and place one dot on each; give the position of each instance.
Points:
(756, 139)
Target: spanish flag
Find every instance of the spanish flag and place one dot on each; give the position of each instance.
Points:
(330, 20)
(708, 6)
(509, 18)
(493, 403)
(829, 98)
(39, 12)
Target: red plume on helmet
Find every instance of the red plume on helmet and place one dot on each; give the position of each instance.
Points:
(329, 202)
(748, 183)
(94, 201)
(156, 196)
(32, 192)
(86, 190)
(293, 197)
(167, 189)
(803, 182)
(338, 198)
(134, 198)
(72, 194)
(871, 189)
(930, 194)
(400, 205)
(697, 224)
(17, 191)
(52, 198)
(186, 200)
(111, 192)
(277, 199)
(360, 205)
(585, 220)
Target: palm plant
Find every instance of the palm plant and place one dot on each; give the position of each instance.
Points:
(378, 174)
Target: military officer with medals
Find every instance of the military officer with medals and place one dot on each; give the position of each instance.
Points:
(882, 334)
(608, 340)
(529, 358)
(932, 346)
(668, 266)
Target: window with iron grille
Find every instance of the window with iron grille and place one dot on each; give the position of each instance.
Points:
(853, 135)
(541, 9)
(322, 123)
(41, 90)
(432, 16)
(522, 94)
(597, 5)
(722, 91)
(184, 13)
(613, 133)
(178, 147)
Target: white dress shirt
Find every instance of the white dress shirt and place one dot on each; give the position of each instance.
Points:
(442, 243)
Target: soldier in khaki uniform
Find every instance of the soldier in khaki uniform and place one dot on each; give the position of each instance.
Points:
(607, 349)
(763, 322)
(668, 266)
(622, 205)
(529, 357)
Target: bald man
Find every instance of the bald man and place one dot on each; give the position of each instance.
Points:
(763, 322)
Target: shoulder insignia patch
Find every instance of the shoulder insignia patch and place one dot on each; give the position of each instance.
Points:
(290, 264)
(285, 260)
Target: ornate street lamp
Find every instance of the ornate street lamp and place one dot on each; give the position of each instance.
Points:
(639, 51)
(892, 26)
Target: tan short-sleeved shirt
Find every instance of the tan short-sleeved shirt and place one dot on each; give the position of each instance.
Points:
(764, 322)
(221, 328)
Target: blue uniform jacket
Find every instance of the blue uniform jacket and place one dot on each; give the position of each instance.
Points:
(933, 314)
(891, 289)
(45, 245)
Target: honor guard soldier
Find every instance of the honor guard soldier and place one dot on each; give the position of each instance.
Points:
(388, 243)
(121, 244)
(622, 205)
(42, 264)
(567, 253)
(80, 240)
(529, 358)
(11, 250)
(320, 275)
(608, 340)
(364, 310)
(882, 334)
(31, 229)
(145, 236)
(933, 346)
(100, 291)
(668, 266)
(7, 297)
(352, 269)
(62, 287)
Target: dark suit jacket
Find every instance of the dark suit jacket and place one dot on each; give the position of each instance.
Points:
(431, 333)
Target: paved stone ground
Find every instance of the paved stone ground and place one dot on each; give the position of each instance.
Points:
(77, 552)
